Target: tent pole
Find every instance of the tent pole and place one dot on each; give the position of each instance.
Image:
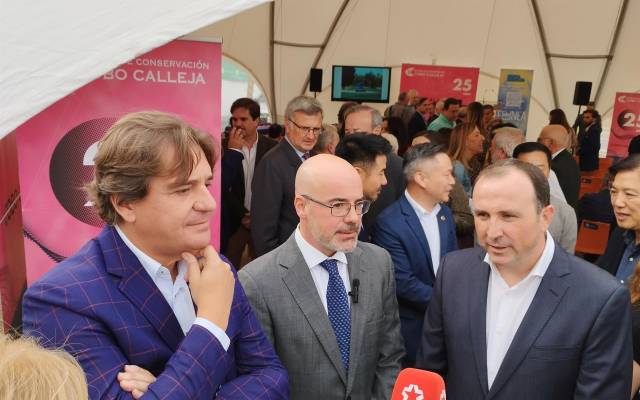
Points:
(545, 48)
(612, 49)
(336, 19)
(272, 86)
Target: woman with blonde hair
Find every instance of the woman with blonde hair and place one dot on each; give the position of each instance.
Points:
(465, 144)
(30, 372)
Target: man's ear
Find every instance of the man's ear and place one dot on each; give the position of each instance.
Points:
(547, 215)
(377, 130)
(361, 171)
(298, 204)
(125, 209)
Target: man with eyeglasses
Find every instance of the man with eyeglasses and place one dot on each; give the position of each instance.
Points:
(365, 119)
(273, 217)
(326, 301)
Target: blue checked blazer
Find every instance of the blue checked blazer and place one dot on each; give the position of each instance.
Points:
(101, 306)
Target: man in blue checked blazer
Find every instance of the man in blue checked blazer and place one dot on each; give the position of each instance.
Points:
(418, 231)
(122, 305)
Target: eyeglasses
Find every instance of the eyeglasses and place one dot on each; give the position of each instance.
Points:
(342, 208)
(307, 129)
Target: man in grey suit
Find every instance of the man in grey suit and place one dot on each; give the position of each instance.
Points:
(520, 318)
(327, 302)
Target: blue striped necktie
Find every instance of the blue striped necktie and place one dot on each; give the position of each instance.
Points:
(338, 310)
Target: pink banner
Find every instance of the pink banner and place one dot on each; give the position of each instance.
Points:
(625, 123)
(439, 82)
(57, 146)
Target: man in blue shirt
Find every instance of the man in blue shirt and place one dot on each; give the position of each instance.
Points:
(623, 250)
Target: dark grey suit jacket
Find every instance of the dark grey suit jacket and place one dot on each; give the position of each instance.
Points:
(273, 216)
(568, 172)
(232, 191)
(388, 195)
(573, 343)
(285, 299)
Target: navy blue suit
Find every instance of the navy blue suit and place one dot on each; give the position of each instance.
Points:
(398, 230)
(573, 343)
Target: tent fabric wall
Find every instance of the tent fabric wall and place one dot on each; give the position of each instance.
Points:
(490, 35)
(50, 49)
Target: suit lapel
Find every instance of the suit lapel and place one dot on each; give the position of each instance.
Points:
(298, 280)
(358, 312)
(139, 288)
(264, 145)
(414, 224)
(549, 294)
(443, 231)
(478, 319)
(289, 153)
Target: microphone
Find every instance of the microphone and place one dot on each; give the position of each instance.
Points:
(418, 384)
(355, 290)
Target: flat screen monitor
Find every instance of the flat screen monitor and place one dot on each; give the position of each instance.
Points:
(361, 84)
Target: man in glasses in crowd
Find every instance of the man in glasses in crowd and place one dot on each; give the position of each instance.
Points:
(273, 217)
(327, 302)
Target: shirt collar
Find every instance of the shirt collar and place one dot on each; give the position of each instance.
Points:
(556, 153)
(255, 145)
(149, 264)
(629, 237)
(418, 208)
(298, 152)
(313, 256)
(541, 266)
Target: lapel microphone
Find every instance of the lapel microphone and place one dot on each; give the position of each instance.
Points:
(355, 290)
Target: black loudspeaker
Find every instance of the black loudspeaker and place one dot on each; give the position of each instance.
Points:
(315, 80)
(582, 93)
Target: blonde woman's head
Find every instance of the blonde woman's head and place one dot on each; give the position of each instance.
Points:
(30, 372)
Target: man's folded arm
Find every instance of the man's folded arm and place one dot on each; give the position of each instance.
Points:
(196, 370)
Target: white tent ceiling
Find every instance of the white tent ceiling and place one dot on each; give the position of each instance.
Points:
(50, 49)
(487, 34)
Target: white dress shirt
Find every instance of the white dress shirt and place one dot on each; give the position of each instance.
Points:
(506, 307)
(313, 257)
(248, 167)
(429, 222)
(177, 294)
(298, 152)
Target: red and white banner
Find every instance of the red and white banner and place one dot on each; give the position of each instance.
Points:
(439, 82)
(56, 147)
(625, 123)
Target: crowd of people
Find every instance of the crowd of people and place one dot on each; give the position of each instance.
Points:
(432, 235)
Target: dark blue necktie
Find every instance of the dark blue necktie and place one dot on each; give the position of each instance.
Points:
(338, 309)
